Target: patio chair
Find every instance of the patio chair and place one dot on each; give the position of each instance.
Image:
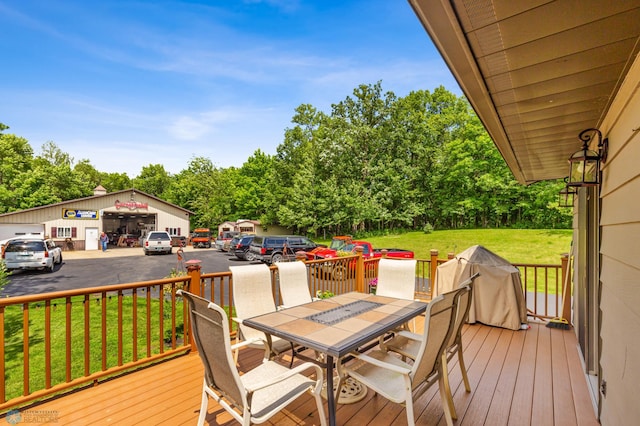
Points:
(407, 344)
(258, 394)
(397, 380)
(397, 278)
(294, 285)
(252, 296)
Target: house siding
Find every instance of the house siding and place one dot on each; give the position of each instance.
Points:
(620, 264)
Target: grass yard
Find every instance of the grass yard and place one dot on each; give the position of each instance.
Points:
(14, 337)
(516, 245)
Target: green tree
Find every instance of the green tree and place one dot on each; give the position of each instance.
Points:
(153, 179)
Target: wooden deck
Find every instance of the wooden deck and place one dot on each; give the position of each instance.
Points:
(531, 377)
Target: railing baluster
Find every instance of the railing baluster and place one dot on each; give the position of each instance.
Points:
(87, 334)
(120, 325)
(25, 349)
(67, 319)
(161, 317)
(47, 344)
(3, 383)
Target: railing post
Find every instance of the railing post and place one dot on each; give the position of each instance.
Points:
(434, 268)
(360, 270)
(301, 255)
(193, 270)
(450, 255)
(566, 287)
(384, 252)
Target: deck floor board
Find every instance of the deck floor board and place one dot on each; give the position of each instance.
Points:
(525, 377)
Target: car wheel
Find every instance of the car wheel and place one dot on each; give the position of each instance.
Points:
(146, 253)
(50, 269)
(250, 256)
(278, 257)
(339, 272)
(170, 251)
(60, 259)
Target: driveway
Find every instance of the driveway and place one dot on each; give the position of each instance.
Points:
(83, 269)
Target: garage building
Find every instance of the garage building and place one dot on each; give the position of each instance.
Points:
(124, 215)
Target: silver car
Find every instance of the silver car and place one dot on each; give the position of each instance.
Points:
(30, 253)
(157, 242)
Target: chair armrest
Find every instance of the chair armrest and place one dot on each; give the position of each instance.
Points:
(381, 364)
(410, 335)
(245, 343)
(292, 372)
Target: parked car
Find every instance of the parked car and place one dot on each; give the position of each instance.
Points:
(241, 248)
(224, 238)
(31, 253)
(228, 244)
(157, 242)
(271, 249)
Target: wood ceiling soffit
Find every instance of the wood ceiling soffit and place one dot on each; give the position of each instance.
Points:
(550, 106)
(615, 53)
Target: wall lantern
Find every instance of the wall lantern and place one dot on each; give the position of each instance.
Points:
(567, 195)
(585, 164)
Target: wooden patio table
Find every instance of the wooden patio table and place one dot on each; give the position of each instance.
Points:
(337, 326)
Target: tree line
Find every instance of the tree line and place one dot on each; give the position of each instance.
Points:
(375, 163)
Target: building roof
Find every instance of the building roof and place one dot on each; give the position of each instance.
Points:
(93, 197)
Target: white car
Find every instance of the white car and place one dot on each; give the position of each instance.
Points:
(157, 242)
(31, 253)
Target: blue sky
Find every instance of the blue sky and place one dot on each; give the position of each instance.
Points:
(126, 84)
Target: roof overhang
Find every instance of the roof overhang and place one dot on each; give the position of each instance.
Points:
(537, 72)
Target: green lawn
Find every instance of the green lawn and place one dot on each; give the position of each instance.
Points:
(516, 245)
(14, 338)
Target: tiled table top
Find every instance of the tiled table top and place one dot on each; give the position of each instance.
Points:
(303, 325)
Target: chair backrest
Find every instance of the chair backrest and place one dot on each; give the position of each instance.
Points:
(252, 295)
(209, 326)
(438, 326)
(294, 285)
(462, 310)
(397, 278)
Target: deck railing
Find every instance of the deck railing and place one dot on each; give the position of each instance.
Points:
(53, 342)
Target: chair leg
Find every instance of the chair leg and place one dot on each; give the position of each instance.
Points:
(408, 402)
(463, 368)
(445, 400)
(235, 352)
(447, 386)
(320, 405)
(204, 403)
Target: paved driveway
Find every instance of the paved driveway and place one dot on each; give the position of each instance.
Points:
(83, 269)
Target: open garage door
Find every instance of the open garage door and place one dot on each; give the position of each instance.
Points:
(126, 229)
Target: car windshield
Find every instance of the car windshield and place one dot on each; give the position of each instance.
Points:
(158, 236)
(17, 246)
(338, 244)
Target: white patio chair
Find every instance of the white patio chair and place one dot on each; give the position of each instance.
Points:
(407, 344)
(253, 296)
(397, 278)
(258, 394)
(294, 283)
(397, 380)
